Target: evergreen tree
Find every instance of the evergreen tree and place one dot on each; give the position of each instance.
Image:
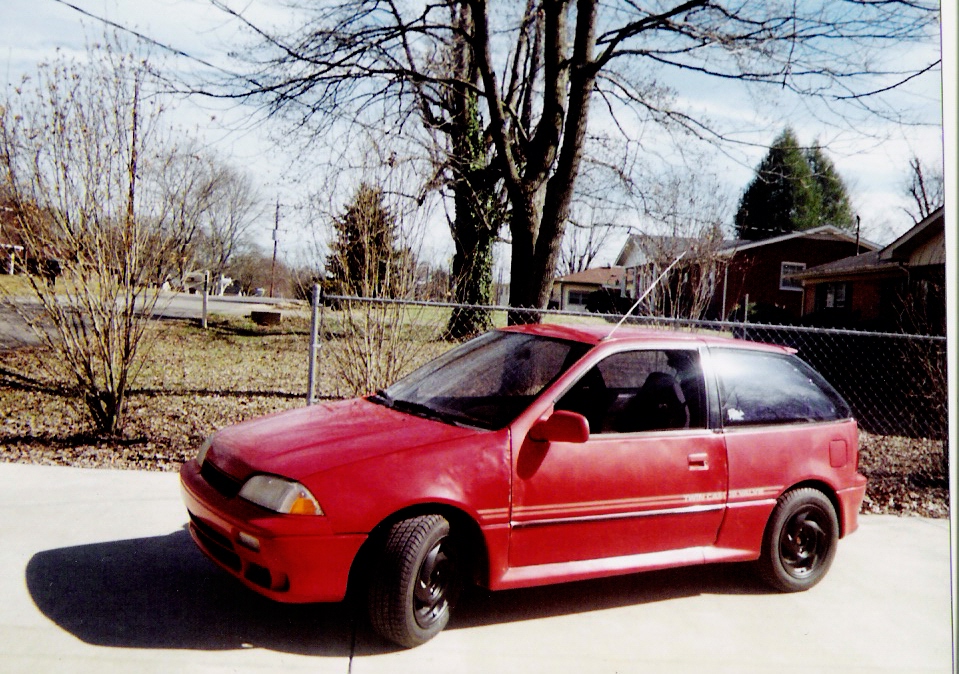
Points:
(835, 209)
(793, 190)
(364, 258)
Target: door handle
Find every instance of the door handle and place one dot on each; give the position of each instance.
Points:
(698, 461)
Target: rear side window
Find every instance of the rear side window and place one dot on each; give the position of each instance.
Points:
(768, 388)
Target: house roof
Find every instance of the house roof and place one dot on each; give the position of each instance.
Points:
(636, 250)
(867, 263)
(886, 260)
(922, 233)
(821, 233)
(599, 276)
(639, 247)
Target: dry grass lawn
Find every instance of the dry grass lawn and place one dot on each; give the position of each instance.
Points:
(195, 381)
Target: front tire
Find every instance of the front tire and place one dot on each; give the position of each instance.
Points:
(415, 581)
(800, 541)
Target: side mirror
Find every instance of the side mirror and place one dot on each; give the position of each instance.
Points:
(561, 426)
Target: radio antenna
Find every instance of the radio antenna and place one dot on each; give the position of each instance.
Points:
(644, 295)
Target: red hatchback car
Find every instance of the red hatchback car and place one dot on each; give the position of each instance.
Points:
(535, 455)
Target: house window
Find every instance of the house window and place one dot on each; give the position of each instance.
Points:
(785, 270)
(832, 296)
(577, 297)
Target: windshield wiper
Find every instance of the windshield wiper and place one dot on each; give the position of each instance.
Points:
(427, 412)
(418, 409)
(383, 398)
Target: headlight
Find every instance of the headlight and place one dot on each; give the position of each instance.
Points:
(280, 495)
(204, 448)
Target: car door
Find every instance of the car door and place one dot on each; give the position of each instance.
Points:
(651, 476)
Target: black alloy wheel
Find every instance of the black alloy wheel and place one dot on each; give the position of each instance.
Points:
(800, 541)
(415, 581)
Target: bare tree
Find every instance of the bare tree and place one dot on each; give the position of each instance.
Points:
(687, 217)
(233, 211)
(74, 142)
(582, 245)
(205, 208)
(926, 187)
(599, 210)
(536, 69)
(183, 192)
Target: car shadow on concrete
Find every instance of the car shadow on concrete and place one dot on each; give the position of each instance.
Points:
(481, 607)
(161, 592)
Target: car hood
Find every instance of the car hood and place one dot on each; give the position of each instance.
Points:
(302, 442)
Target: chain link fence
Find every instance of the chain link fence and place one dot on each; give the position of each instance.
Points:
(896, 384)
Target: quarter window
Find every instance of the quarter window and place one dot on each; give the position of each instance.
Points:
(767, 388)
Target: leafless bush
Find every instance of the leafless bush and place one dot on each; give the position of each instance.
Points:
(374, 245)
(372, 344)
(75, 141)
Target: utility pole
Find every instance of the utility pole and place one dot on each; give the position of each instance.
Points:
(276, 239)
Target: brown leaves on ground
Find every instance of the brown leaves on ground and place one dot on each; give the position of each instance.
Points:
(906, 475)
(193, 382)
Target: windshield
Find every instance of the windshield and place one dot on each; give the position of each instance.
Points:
(485, 382)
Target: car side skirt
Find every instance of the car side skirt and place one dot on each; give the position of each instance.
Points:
(544, 574)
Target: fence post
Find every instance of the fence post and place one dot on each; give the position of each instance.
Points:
(206, 295)
(314, 343)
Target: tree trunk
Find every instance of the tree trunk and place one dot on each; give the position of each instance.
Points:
(478, 219)
(472, 269)
(526, 287)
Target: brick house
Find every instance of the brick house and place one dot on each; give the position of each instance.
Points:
(898, 288)
(758, 271)
(763, 271)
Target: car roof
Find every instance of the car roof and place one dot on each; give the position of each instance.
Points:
(595, 334)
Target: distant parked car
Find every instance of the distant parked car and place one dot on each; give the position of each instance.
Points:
(535, 455)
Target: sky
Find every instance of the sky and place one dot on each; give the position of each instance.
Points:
(872, 158)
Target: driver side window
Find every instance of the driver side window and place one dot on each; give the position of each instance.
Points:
(635, 391)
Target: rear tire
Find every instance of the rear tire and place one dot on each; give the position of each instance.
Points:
(415, 580)
(800, 541)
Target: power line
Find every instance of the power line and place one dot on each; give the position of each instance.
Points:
(144, 38)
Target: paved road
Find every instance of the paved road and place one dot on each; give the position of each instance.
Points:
(184, 305)
(15, 333)
(100, 576)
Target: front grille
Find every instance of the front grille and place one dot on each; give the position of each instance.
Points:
(218, 545)
(223, 483)
(258, 575)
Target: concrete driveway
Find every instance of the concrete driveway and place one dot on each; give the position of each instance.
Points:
(99, 575)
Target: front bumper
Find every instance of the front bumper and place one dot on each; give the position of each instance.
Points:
(296, 558)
